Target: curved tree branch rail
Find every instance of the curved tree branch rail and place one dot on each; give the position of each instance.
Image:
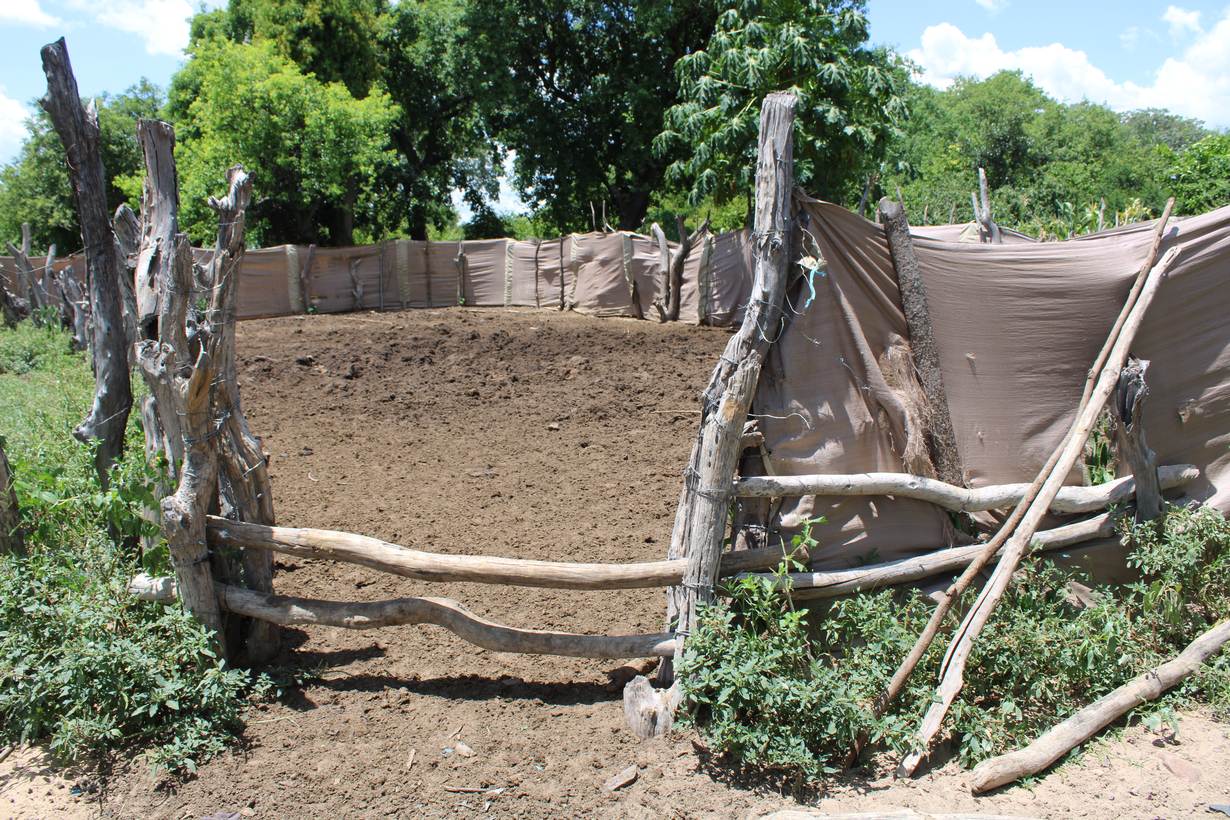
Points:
(291, 611)
(954, 498)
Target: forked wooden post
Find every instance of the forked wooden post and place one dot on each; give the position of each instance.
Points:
(1130, 441)
(700, 524)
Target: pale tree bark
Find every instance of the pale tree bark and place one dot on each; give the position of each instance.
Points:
(1131, 444)
(670, 267)
(127, 239)
(78, 131)
(74, 308)
(10, 516)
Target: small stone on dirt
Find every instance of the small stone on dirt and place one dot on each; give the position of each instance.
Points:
(553, 426)
(1180, 768)
(306, 361)
(624, 778)
(461, 748)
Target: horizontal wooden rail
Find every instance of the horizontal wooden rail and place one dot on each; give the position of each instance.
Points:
(482, 569)
(835, 583)
(290, 611)
(952, 497)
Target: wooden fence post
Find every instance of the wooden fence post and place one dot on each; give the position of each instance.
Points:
(941, 440)
(700, 523)
(1130, 438)
(10, 517)
(78, 131)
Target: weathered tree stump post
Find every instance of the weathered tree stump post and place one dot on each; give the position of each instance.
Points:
(941, 440)
(1130, 440)
(700, 521)
(670, 267)
(10, 516)
(78, 131)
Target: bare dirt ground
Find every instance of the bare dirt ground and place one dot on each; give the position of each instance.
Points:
(527, 434)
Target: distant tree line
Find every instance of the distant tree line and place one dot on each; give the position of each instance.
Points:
(361, 119)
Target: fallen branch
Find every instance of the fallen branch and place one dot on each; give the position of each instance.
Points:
(289, 611)
(952, 669)
(1069, 500)
(1095, 717)
(482, 569)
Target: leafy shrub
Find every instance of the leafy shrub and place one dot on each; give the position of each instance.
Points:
(776, 689)
(83, 665)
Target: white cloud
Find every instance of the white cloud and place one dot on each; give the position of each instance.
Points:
(162, 24)
(26, 12)
(12, 126)
(1181, 21)
(1195, 84)
(993, 5)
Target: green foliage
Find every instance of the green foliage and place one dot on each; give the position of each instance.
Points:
(35, 188)
(577, 88)
(314, 150)
(778, 690)
(1200, 175)
(84, 666)
(850, 97)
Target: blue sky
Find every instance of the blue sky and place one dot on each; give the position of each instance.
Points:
(1128, 54)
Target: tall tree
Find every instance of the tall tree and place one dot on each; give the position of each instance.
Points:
(35, 187)
(314, 150)
(1200, 175)
(576, 89)
(849, 96)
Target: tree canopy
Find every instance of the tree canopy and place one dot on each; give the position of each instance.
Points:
(367, 119)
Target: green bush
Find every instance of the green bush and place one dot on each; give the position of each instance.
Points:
(777, 689)
(83, 665)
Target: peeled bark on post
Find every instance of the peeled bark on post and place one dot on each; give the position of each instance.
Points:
(74, 309)
(78, 131)
(10, 516)
(709, 478)
(127, 230)
(1132, 446)
(941, 439)
(159, 219)
(1058, 741)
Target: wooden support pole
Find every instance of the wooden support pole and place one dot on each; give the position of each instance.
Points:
(481, 569)
(11, 540)
(940, 437)
(953, 667)
(78, 131)
(1055, 743)
(1132, 446)
(1068, 500)
(709, 478)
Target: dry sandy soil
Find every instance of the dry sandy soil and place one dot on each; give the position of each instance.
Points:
(525, 434)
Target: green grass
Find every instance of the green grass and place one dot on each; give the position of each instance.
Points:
(84, 667)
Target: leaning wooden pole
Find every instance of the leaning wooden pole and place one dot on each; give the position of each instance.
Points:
(709, 477)
(1043, 752)
(78, 131)
(952, 674)
(940, 437)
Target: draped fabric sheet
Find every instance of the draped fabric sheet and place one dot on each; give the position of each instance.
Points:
(1017, 328)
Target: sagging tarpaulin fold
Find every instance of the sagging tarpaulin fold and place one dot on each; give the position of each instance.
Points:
(1017, 327)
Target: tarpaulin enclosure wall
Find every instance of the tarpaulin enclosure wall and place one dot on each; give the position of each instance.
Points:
(1017, 327)
(591, 273)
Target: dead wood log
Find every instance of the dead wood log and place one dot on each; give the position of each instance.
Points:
(481, 569)
(11, 540)
(940, 437)
(1058, 741)
(988, 229)
(650, 712)
(29, 282)
(75, 307)
(289, 611)
(159, 220)
(700, 522)
(1068, 500)
(356, 286)
(127, 229)
(78, 131)
(1133, 448)
(953, 667)
(12, 307)
(670, 267)
(305, 278)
